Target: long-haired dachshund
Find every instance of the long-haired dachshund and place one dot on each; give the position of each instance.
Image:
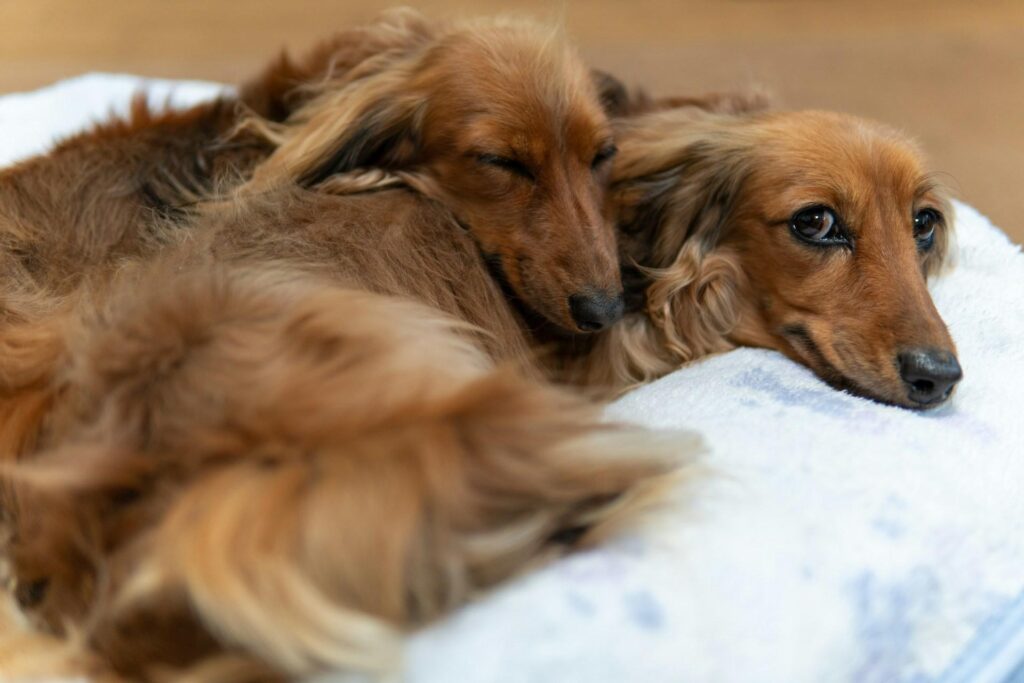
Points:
(105, 195)
(509, 133)
(812, 233)
(251, 462)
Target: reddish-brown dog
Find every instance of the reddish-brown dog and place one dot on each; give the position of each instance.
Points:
(811, 233)
(240, 358)
(508, 133)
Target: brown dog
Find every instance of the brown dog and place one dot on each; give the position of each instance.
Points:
(500, 124)
(253, 367)
(108, 194)
(811, 233)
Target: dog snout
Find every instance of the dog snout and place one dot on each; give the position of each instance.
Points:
(593, 311)
(930, 375)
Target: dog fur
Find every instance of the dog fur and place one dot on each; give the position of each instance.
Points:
(149, 472)
(383, 503)
(501, 125)
(702, 199)
(209, 367)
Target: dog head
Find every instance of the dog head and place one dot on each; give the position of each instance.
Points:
(811, 233)
(503, 124)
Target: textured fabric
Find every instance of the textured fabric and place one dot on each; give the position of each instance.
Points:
(832, 539)
(33, 121)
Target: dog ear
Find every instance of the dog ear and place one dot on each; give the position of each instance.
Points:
(672, 214)
(374, 121)
(686, 200)
(751, 101)
(385, 136)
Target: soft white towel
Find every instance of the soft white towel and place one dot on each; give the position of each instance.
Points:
(35, 120)
(835, 540)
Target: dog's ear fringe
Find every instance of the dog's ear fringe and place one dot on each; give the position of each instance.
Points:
(680, 204)
(370, 122)
(287, 84)
(694, 302)
(691, 308)
(358, 111)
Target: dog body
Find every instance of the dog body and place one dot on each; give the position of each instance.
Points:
(247, 356)
(304, 442)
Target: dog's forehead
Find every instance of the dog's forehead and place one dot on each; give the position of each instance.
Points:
(529, 123)
(521, 71)
(535, 135)
(843, 161)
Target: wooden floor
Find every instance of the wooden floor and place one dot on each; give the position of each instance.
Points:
(949, 73)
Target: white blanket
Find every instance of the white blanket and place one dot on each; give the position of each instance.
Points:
(836, 539)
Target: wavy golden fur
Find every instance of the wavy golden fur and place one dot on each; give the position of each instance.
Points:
(243, 462)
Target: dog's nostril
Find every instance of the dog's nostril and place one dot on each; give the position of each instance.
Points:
(596, 310)
(930, 374)
(923, 386)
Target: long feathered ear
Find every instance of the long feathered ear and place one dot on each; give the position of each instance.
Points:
(386, 136)
(675, 191)
(618, 101)
(374, 121)
(676, 182)
(286, 84)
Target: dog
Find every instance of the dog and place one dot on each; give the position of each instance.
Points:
(106, 195)
(469, 118)
(252, 371)
(810, 233)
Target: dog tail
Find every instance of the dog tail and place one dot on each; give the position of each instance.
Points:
(319, 470)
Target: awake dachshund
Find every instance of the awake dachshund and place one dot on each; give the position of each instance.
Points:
(811, 233)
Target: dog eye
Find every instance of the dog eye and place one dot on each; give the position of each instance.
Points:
(603, 155)
(507, 164)
(925, 221)
(817, 224)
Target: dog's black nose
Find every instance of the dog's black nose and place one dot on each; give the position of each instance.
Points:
(596, 311)
(930, 374)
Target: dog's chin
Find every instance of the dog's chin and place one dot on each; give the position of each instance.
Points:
(889, 391)
(548, 325)
(879, 390)
(922, 406)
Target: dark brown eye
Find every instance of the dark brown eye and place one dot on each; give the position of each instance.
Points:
(817, 225)
(507, 164)
(925, 222)
(603, 155)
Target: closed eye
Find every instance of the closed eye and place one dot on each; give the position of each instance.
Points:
(507, 164)
(603, 155)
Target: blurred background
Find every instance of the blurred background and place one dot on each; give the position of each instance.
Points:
(950, 73)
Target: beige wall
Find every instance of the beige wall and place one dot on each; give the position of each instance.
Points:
(949, 73)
